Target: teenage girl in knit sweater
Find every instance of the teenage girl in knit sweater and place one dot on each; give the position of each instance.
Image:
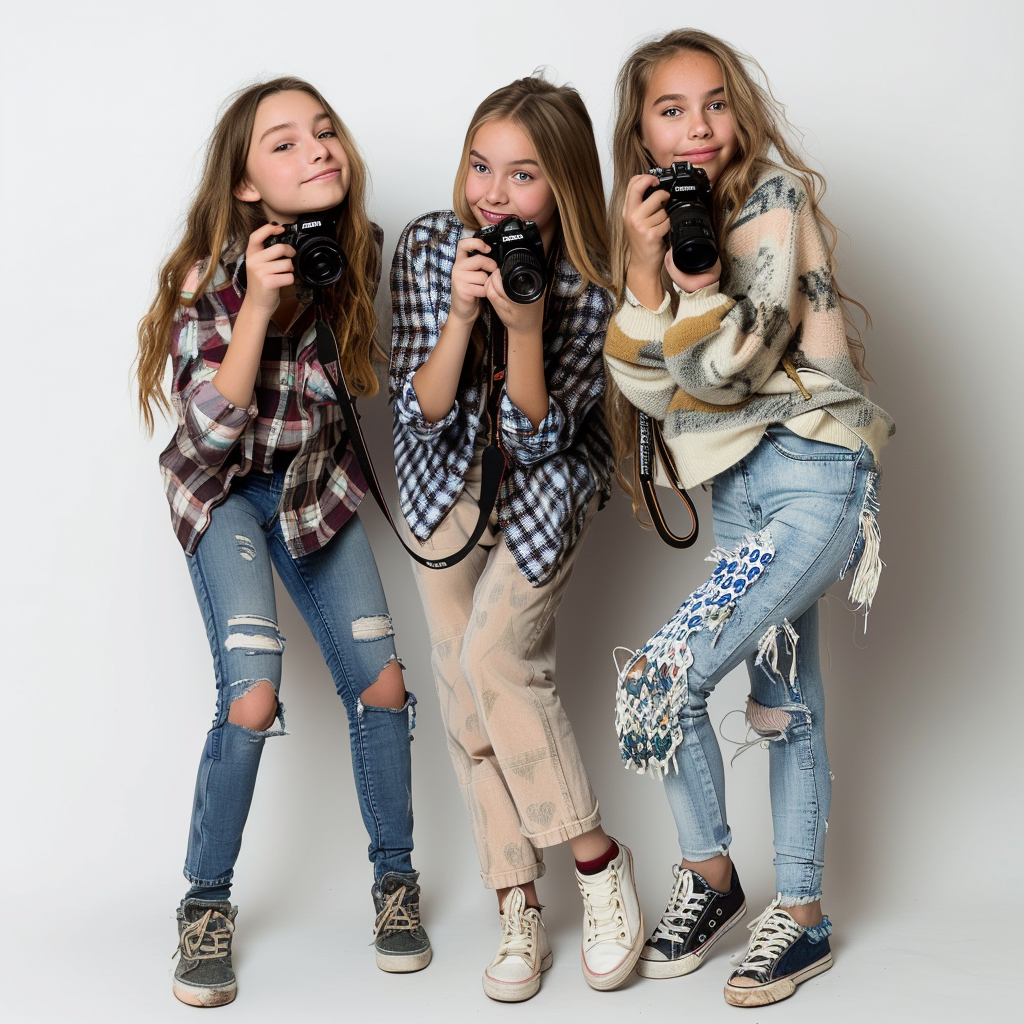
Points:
(757, 389)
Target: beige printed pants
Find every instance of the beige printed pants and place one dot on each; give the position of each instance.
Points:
(492, 637)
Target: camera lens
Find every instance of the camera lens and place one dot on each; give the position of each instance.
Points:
(320, 262)
(523, 276)
(692, 238)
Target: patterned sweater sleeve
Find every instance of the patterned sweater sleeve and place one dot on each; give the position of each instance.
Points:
(721, 348)
(209, 425)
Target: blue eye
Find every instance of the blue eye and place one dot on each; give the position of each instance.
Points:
(479, 168)
(671, 112)
(522, 176)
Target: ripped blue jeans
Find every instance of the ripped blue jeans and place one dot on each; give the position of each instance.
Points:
(790, 519)
(338, 591)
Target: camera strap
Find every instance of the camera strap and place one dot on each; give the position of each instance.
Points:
(650, 442)
(493, 467)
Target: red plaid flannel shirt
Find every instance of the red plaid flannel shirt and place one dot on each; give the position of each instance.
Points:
(293, 409)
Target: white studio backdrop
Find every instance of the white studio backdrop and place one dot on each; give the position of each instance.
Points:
(913, 113)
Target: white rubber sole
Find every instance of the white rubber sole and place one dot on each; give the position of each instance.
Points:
(516, 991)
(403, 964)
(690, 962)
(200, 995)
(774, 991)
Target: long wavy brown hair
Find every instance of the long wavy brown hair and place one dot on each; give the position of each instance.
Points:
(217, 221)
(761, 128)
(555, 120)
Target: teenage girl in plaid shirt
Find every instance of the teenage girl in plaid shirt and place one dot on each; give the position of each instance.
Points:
(259, 473)
(529, 152)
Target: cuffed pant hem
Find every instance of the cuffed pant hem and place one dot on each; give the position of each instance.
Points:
(566, 831)
(696, 856)
(797, 901)
(506, 879)
(207, 883)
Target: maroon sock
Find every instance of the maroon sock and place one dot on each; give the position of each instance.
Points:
(592, 867)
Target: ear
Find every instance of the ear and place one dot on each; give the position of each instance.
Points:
(246, 192)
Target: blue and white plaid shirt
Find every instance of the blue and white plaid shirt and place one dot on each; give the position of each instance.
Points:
(553, 472)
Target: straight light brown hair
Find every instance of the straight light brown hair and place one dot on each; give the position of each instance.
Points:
(763, 141)
(555, 119)
(218, 221)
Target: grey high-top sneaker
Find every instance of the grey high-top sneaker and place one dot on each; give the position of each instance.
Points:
(204, 976)
(400, 943)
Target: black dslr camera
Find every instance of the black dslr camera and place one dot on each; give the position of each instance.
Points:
(692, 231)
(319, 260)
(517, 248)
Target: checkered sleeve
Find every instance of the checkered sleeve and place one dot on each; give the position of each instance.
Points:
(209, 425)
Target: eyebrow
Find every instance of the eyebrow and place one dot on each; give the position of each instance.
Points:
(322, 116)
(513, 163)
(679, 96)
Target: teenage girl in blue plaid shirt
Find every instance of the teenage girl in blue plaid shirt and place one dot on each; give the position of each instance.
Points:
(529, 152)
(258, 475)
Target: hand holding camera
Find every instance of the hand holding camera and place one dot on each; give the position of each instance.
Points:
(689, 209)
(318, 258)
(267, 270)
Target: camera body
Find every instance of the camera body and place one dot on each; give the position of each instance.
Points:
(319, 261)
(518, 249)
(689, 208)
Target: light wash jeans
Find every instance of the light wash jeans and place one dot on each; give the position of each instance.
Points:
(338, 591)
(804, 499)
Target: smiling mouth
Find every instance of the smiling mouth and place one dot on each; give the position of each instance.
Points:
(699, 156)
(323, 176)
(491, 217)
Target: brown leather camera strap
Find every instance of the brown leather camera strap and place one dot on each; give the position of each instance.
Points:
(493, 467)
(651, 442)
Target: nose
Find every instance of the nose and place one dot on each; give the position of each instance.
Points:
(318, 150)
(496, 193)
(698, 127)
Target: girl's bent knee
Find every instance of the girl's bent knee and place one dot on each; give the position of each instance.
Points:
(255, 709)
(388, 690)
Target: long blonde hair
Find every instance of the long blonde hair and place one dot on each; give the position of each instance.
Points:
(761, 127)
(555, 120)
(218, 220)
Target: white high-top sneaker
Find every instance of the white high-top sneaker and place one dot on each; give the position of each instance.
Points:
(613, 925)
(514, 974)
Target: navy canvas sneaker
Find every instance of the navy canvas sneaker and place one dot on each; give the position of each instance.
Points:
(695, 918)
(781, 955)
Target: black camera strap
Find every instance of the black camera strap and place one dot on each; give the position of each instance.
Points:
(650, 440)
(493, 468)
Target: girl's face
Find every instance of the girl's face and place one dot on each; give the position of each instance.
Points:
(685, 114)
(296, 163)
(505, 179)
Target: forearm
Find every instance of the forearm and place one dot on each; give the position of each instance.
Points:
(436, 382)
(236, 377)
(646, 285)
(525, 383)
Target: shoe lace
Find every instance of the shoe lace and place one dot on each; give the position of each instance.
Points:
(602, 903)
(684, 907)
(770, 935)
(397, 914)
(518, 930)
(201, 941)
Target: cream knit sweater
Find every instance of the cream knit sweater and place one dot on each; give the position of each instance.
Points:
(712, 375)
